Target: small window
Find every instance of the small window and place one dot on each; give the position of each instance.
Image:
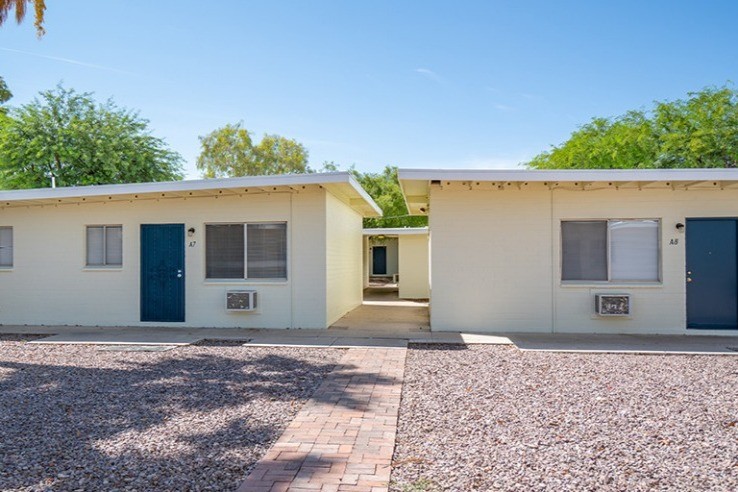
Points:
(246, 251)
(610, 250)
(6, 247)
(104, 246)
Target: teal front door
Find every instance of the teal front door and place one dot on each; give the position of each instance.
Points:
(712, 274)
(162, 272)
(379, 260)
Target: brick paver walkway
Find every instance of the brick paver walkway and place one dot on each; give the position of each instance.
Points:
(344, 436)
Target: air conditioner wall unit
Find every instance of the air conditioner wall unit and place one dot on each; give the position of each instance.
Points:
(241, 301)
(612, 305)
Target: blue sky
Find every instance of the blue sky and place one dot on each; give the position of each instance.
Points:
(413, 84)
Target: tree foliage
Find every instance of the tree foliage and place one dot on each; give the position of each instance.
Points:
(5, 95)
(20, 7)
(697, 132)
(384, 188)
(230, 151)
(68, 136)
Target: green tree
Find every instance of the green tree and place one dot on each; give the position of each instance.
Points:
(384, 188)
(68, 136)
(5, 95)
(230, 151)
(699, 131)
(39, 7)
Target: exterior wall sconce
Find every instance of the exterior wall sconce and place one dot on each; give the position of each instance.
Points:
(191, 231)
(680, 227)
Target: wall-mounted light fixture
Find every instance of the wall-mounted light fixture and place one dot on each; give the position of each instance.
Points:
(191, 231)
(680, 227)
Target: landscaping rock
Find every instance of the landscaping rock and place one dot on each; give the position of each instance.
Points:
(495, 418)
(196, 418)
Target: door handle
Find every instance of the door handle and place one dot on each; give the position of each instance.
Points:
(689, 279)
(179, 273)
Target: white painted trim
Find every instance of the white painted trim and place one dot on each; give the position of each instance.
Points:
(339, 178)
(396, 231)
(567, 175)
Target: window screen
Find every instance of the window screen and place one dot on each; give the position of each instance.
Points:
(224, 256)
(634, 250)
(104, 245)
(6, 246)
(267, 251)
(584, 254)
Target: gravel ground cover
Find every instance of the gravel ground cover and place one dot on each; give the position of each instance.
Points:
(496, 418)
(191, 419)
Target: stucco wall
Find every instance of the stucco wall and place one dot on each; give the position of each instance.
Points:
(49, 283)
(413, 266)
(496, 258)
(344, 242)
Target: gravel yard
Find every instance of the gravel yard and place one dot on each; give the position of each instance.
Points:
(495, 418)
(190, 419)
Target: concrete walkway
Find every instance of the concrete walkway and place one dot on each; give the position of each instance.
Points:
(357, 338)
(626, 344)
(344, 436)
(382, 311)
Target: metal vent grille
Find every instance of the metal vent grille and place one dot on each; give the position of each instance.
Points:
(241, 300)
(612, 304)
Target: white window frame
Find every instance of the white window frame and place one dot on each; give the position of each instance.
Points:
(246, 253)
(609, 280)
(12, 249)
(104, 265)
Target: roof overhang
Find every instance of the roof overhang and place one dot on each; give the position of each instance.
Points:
(396, 231)
(416, 183)
(341, 184)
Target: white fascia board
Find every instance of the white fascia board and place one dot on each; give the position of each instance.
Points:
(568, 175)
(364, 195)
(396, 231)
(340, 177)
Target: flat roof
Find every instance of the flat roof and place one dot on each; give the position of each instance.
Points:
(341, 183)
(396, 231)
(415, 183)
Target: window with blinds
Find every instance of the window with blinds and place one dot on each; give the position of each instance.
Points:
(584, 247)
(224, 251)
(104, 246)
(611, 250)
(246, 251)
(6, 247)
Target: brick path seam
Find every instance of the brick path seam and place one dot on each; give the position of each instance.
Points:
(344, 436)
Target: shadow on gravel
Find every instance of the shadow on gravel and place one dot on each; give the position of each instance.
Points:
(180, 421)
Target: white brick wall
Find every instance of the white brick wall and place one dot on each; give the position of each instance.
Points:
(344, 242)
(413, 254)
(50, 285)
(496, 258)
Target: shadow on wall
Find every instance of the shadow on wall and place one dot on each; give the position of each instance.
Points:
(191, 419)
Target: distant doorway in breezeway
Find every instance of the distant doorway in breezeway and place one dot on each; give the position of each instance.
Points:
(379, 260)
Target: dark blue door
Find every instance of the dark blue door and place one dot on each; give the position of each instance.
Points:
(712, 274)
(162, 272)
(379, 260)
